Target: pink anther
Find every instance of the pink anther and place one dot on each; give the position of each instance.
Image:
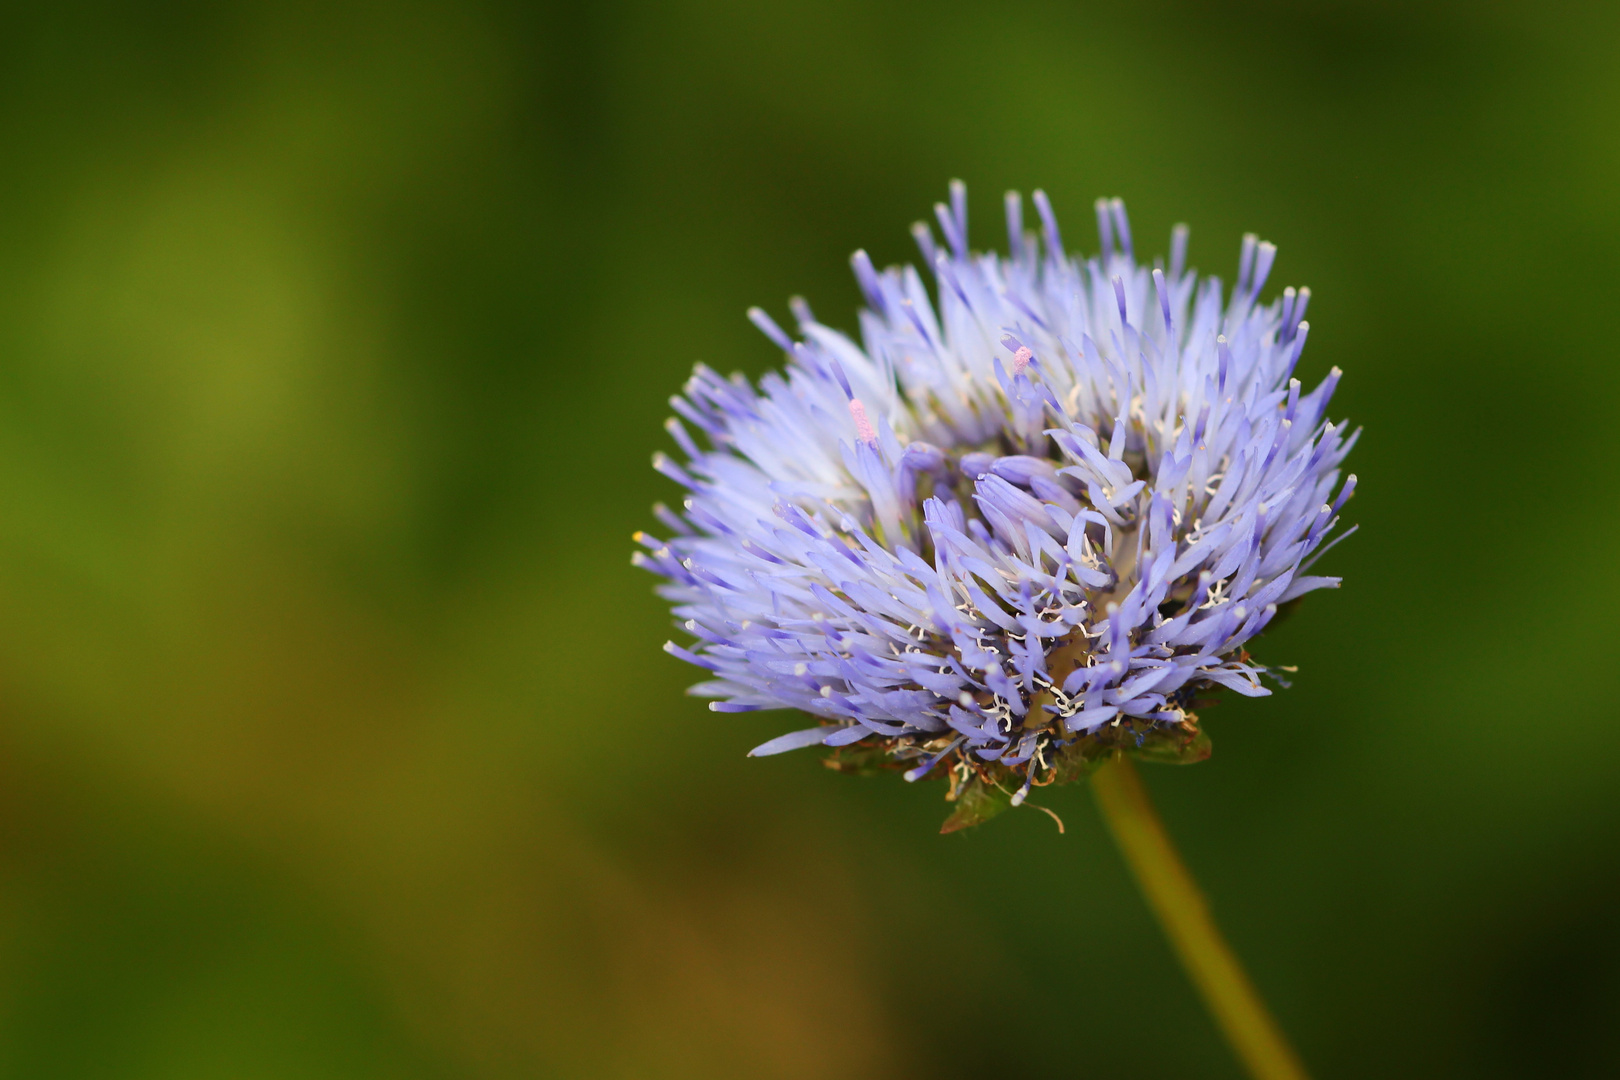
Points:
(1021, 359)
(863, 426)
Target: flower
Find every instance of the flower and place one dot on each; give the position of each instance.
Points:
(1020, 526)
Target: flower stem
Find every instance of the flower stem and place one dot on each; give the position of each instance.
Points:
(1184, 915)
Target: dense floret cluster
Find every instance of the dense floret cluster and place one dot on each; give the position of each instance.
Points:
(1025, 522)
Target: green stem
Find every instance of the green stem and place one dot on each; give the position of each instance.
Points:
(1182, 912)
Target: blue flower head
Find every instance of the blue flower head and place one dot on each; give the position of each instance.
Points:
(1024, 524)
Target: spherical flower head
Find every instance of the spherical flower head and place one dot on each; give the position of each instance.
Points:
(1025, 524)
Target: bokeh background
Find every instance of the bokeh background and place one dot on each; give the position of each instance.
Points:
(335, 738)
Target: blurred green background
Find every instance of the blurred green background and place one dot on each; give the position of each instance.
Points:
(335, 738)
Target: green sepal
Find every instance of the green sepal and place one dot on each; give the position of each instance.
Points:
(1172, 746)
(1080, 760)
(976, 804)
(858, 760)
